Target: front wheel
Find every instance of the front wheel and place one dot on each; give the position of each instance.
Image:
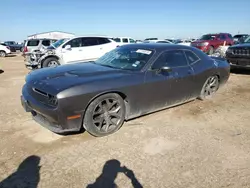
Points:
(3, 54)
(51, 62)
(105, 115)
(209, 88)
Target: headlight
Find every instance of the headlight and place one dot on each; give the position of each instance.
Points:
(203, 44)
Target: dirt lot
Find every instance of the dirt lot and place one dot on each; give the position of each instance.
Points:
(199, 144)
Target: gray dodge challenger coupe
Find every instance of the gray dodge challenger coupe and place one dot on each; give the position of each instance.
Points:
(130, 81)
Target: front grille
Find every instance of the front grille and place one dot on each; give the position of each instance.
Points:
(43, 97)
(241, 52)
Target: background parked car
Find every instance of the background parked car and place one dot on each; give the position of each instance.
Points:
(239, 55)
(71, 51)
(123, 40)
(13, 44)
(4, 50)
(237, 37)
(36, 44)
(12, 49)
(185, 42)
(210, 42)
(157, 41)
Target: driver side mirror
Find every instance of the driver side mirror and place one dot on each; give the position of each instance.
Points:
(68, 47)
(165, 69)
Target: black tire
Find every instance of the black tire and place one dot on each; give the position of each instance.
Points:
(210, 50)
(50, 62)
(209, 88)
(106, 108)
(2, 53)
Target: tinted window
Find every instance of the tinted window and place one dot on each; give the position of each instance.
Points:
(131, 41)
(33, 43)
(90, 41)
(230, 36)
(46, 42)
(222, 37)
(74, 43)
(125, 40)
(208, 37)
(103, 40)
(174, 58)
(191, 57)
(117, 39)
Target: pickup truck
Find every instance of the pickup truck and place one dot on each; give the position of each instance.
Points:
(13, 44)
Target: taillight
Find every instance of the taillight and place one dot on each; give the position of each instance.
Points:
(25, 49)
(8, 47)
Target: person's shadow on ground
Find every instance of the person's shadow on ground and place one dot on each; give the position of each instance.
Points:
(109, 174)
(26, 176)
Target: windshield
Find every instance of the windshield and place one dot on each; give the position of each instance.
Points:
(126, 58)
(208, 37)
(247, 40)
(59, 43)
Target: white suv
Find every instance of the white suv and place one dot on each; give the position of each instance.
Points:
(123, 40)
(4, 50)
(77, 49)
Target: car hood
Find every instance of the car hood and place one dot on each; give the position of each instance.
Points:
(57, 79)
(242, 45)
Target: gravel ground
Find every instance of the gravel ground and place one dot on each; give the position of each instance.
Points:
(198, 144)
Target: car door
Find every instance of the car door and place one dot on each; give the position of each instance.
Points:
(167, 88)
(72, 51)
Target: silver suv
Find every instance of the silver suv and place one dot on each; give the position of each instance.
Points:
(32, 45)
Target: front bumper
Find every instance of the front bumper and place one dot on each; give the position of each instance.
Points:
(54, 119)
(239, 62)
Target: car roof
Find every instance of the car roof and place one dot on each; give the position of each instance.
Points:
(157, 46)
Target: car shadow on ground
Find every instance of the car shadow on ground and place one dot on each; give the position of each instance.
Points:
(1, 71)
(241, 71)
(11, 55)
(26, 175)
(109, 173)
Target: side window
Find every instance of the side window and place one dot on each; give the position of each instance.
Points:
(103, 40)
(222, 37)
(46, 42)
(191, 57)
(33, 43)
(173, 58)
(90, 41)
(125, 40)
(74, 43)
(230, 36)
(131, 41)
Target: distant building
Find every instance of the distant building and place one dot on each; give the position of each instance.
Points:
(51, 35)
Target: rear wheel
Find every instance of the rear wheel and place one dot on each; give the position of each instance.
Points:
(105, 115)
(51, 62)
(2, 53)
(209, 88)
(210, 50)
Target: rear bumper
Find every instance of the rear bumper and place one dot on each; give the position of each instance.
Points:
(54, 119)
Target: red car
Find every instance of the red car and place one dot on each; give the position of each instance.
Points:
(210, 42)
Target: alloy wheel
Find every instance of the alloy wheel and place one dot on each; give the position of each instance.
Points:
(2, 54)
(107, 115)
(53, 64)
(211, 86)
